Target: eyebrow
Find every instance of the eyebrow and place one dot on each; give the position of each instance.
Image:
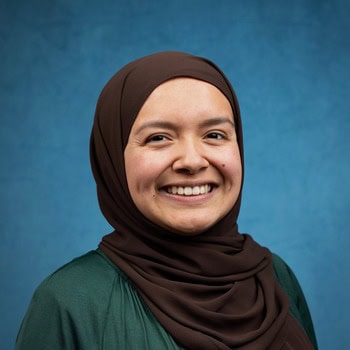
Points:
(170, 125)
(216, 121)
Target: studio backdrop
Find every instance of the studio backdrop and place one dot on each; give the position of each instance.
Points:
(289, 64)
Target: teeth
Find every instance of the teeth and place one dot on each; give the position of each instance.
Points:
(189, 191)
(196, 190)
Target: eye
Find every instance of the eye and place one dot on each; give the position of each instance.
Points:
(156, 138)
(215, 136)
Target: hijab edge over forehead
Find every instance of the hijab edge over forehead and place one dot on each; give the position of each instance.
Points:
(225, 89)
(137, 81)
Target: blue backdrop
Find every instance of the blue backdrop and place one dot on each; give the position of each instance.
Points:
(289, 63)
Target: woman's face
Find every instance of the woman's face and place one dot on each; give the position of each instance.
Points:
(182, 160)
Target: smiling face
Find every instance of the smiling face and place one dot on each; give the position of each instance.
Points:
(182, 160)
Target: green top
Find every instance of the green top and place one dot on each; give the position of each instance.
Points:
(90, 304)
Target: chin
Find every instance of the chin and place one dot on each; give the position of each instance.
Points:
(192, 229)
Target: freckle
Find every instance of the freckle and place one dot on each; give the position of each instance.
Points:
(223, 165)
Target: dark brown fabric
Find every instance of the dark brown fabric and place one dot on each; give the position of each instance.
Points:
(215, 290)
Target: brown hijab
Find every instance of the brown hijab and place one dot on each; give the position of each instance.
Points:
(216, 290)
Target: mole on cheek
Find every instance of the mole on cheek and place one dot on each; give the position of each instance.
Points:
(223, 165)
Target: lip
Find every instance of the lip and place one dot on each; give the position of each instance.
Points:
(189, 184)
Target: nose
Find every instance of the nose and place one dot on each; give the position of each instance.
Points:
(190, 158)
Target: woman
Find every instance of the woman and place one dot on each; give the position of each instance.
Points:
(167, 156)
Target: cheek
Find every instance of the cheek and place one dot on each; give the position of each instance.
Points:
(230, 166)
(142, 172)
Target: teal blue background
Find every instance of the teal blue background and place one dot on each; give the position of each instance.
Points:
(289, 63)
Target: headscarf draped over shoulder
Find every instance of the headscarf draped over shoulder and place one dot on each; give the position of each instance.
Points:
(216, 290)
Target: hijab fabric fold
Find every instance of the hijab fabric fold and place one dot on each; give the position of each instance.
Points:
(216, 290)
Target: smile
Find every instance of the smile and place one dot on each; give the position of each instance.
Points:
(188, 190)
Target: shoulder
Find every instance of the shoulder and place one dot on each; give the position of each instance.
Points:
(286, 278)
(297, 302)
(287, 281)
(281, 268)
(90, 276)
(90, 265)
(69, 308)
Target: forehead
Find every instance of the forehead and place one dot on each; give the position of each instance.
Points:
(184, 84)
(187, 97)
